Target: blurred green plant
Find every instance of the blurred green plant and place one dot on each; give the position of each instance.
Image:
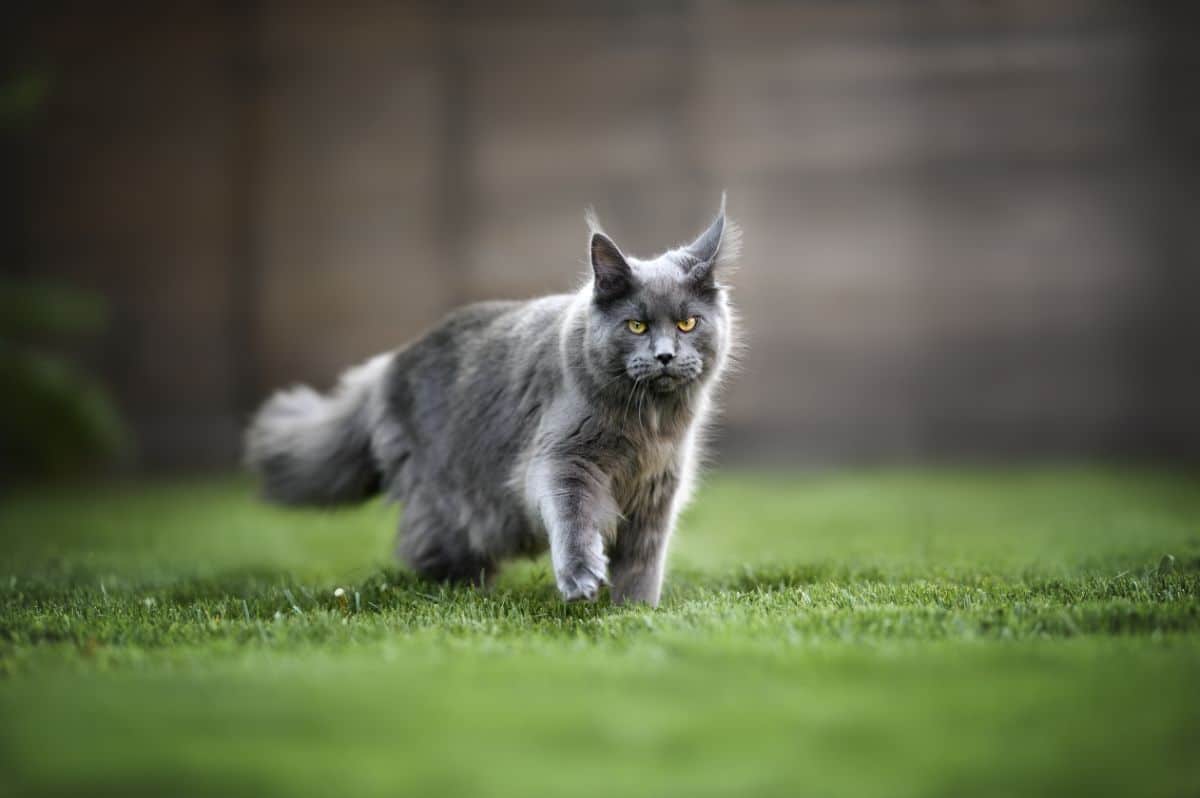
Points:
(53, 418)
(21, 97)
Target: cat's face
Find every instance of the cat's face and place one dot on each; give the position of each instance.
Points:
(661, 323)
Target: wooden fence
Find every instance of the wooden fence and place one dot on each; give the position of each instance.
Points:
(967, 225)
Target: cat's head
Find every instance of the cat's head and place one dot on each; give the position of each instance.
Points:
(662, 323)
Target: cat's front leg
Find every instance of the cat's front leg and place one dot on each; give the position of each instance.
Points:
(575, 506)
(640, 550)
(638, 560)
(580, 567)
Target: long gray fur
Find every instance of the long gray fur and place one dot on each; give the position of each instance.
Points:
(516, 426)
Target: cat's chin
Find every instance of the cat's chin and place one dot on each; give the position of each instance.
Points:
(665, 383)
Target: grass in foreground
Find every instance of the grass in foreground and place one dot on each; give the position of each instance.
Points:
(895, 633)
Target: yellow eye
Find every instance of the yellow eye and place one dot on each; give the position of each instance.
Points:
(687, 325)
(636, 327)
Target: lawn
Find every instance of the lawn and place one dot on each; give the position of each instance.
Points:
(959, 633)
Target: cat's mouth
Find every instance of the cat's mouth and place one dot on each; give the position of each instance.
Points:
(663, 380)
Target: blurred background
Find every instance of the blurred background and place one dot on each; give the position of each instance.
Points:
(971, 228)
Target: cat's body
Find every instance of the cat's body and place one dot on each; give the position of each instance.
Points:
(516, 426)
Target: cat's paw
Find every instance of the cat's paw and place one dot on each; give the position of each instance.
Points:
(581, 580)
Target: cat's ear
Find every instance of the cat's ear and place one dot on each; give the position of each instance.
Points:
(613, 277)
(714, 251)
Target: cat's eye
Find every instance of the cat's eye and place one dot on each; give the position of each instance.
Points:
(636, 327)
(687, 325)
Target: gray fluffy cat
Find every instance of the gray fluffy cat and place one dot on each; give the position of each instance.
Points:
(570, 421)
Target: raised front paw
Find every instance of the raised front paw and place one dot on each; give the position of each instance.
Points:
(581, 580)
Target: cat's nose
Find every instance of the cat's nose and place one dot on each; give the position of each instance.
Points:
(665, 357)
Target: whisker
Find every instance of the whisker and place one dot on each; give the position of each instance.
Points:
(629, 399)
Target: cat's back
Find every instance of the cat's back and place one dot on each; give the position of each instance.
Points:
(487, 328)
(480, 355)
(459, 326)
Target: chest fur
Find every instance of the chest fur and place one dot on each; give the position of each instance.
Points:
(646, 478)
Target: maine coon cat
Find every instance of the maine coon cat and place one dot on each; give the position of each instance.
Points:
(570, 422)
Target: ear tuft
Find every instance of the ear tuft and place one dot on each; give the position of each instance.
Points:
(593, 221)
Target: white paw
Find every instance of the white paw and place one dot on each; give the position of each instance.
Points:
(581, 581)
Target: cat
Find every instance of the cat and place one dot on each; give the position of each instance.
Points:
(571, 422)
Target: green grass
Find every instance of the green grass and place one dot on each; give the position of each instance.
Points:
(892, 633)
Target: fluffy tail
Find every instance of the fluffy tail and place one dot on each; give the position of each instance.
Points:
(315, 449)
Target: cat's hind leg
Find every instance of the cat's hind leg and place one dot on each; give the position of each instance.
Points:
(438, 551)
